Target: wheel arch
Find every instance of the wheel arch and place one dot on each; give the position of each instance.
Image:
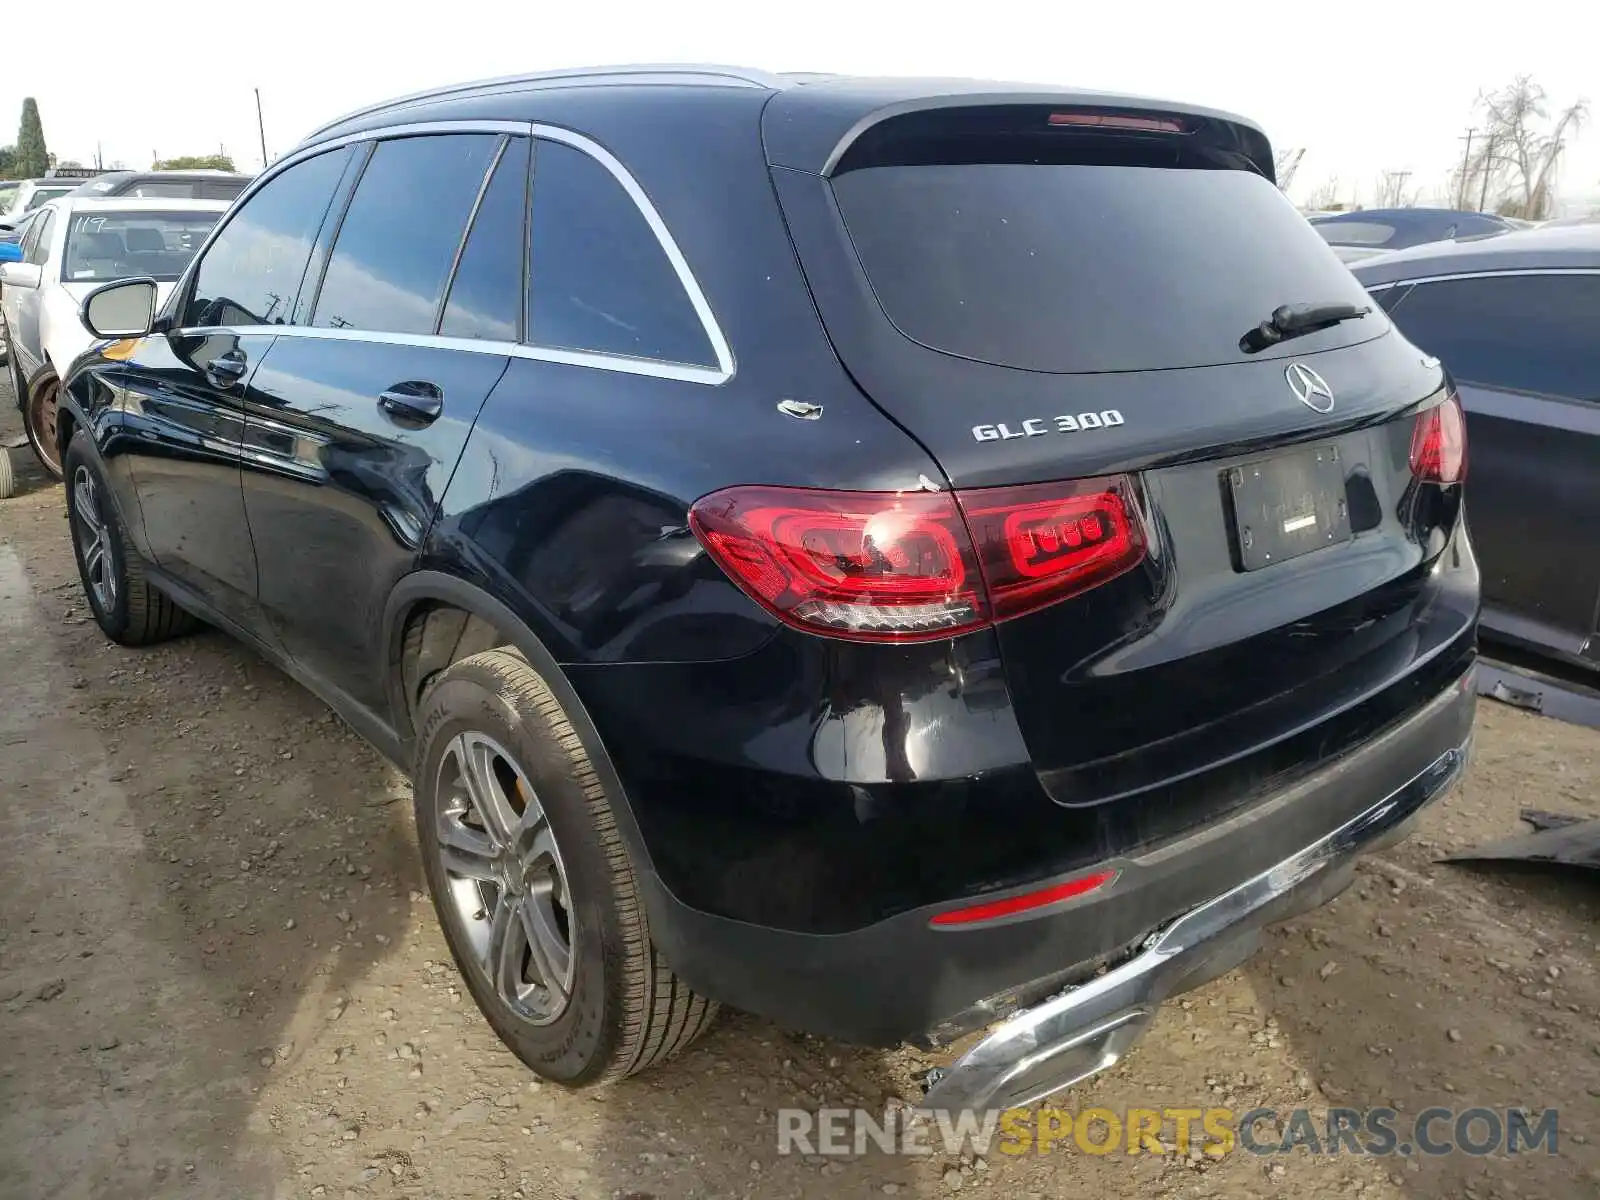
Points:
(475, 620)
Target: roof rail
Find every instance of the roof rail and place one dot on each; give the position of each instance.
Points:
(688, 71)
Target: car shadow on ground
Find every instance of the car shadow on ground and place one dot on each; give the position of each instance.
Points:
(191, 863)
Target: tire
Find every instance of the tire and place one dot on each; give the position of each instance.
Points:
(125, 605)
(39, 419)
(616, 1008)
(8, 481)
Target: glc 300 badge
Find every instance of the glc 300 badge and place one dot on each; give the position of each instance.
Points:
(1107, 418)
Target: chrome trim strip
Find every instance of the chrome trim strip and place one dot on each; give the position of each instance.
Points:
(1077, 1034)
(720, 374)
(466, 236)
(1485, 274)
(572, 358)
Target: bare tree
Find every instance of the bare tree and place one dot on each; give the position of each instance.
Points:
(1515, 166)
(1392, 191)
(1325, 195)
(1285, 163)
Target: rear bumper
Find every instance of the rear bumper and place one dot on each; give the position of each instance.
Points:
(1088, 1028)
(903, 979)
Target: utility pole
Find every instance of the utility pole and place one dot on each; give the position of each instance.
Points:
(1466, 167)
(261, 128)
(1488, 165)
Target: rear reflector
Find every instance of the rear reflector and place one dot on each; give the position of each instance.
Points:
(1100, 120)
(1026, 902)
(887, 566)
(1439, 443)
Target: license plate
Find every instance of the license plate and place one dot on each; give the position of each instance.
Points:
(1287, 506)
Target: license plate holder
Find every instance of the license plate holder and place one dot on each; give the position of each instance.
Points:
(1287, 505)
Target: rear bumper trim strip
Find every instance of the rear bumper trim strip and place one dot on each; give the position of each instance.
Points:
(1081, 1032)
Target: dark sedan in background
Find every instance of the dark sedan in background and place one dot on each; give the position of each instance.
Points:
(1516, 320)
(1372, 231)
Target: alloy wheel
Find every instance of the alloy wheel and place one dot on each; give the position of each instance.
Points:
(507, 885)
(42, 424)
(94, 546)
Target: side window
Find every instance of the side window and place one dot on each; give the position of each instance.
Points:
(209, 190)
(250, 274)
(37, 242)
(399, 236)
(1388, 297)
(1528, 333)
(486, 294)
(598, 278)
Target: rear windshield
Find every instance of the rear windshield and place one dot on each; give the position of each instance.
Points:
(1355, 233)
(1082, 268)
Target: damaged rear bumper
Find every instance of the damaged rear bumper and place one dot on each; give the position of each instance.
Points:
(1086, 1029)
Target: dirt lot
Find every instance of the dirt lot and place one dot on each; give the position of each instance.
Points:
(218, 977)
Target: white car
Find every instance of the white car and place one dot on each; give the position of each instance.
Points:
(72, 247)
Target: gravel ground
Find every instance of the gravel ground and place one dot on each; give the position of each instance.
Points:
(219, 978)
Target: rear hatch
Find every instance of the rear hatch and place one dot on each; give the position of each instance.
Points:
(1040, 295)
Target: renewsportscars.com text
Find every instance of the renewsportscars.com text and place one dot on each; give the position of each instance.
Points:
(1215, 1131)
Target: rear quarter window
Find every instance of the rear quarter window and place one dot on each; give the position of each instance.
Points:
(599, 279)
(1526, 333)
(1089, 268)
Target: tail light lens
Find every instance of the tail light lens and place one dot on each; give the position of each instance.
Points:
(902, 567)
(1439, 443)
(1044, 542)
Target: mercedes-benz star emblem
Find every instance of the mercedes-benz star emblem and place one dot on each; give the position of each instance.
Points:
(1311, 389)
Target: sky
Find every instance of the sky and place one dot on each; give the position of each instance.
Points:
(1363, 89)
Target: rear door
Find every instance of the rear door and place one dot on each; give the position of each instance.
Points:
(360, 410)
(1522, 348)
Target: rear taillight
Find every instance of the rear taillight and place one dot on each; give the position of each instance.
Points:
(1044, 542)
(902, 567)
(1439, 443)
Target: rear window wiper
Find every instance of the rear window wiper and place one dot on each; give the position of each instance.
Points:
(1292, 320)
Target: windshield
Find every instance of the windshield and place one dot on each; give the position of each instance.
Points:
(7, 195)
(118, 245)
(1092, 267)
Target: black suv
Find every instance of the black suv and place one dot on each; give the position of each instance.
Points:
(899, 557)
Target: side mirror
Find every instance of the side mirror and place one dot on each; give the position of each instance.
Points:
(20, 274)
(10, 252)
(124, 309)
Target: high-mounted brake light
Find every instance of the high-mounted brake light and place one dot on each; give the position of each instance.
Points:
(993, 910)
(1439, 443)
(1100, 120)
(887, 566)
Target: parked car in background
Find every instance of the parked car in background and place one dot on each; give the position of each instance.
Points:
(11, 237)
(165, 185)
(30, 194)
(963, 553)
(1368, 232)
(1516, 320)
(72, 247)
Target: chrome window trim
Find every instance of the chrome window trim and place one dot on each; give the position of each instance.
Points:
(714, 376)
(1485, 274)
(551, 354)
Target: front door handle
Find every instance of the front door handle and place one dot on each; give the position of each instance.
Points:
(413, 400)
(226, 370)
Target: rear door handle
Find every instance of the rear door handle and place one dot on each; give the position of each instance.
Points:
(413, 400)
(226, 370)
